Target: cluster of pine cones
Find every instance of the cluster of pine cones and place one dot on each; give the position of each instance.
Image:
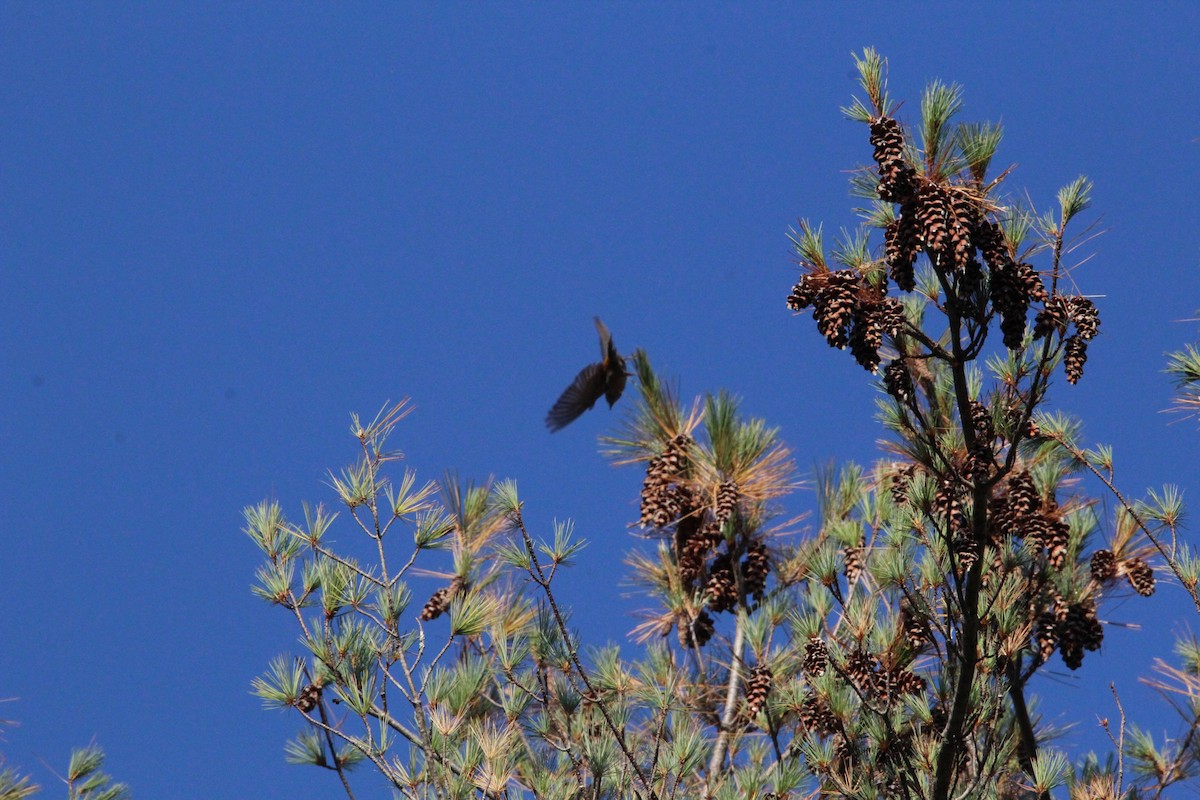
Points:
(949, 223)
(879, 682)
(1060, 311)
(1105, 568)
(1071, 628)
(849, 312)
(705, 557)
(1021, 513)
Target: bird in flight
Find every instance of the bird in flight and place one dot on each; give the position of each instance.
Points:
(605, 378)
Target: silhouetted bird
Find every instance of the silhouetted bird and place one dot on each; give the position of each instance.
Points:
(606, 378)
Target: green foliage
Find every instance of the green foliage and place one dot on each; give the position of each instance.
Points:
(86, 781)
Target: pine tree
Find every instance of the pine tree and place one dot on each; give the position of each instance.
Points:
(886, 649)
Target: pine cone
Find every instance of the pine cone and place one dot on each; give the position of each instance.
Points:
(897, 381)
(1104, 566)
(662, 499)
(904, 681)
(947, 504)
(692, 553)
(1077, 631)
(866, 335)
(897, 179)
(755, 568)
(1074, 357)
(1053, 317)
(965, 549)
(901, 481)
(1030, 282)
(1023, 497)
(1085, 317)
(308, 698)
(989, 238)
(1003, 522)
(439, 603)
(1057, 545)
(861, 666)
(816, 715)
(1011, 300)
(972, 288)
(933, 213)
(1093, 631)
(721, 588)
(674, 457)
(964, 213)
(834, 307)
(917, 630)
(888, 138)
(1046, 635)
(816, 657)
(981, 421)
(695, 633)
(728, 496)
(758, 688)
(1048, 533)
(901, 243)
(852, 563)
(804, 293)
(1140, 575)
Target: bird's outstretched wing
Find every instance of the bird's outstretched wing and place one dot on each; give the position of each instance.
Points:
(605, 340)
(582, 394)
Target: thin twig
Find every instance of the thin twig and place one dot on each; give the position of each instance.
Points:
(1129, 509)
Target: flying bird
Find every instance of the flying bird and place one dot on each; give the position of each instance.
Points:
(605, 378)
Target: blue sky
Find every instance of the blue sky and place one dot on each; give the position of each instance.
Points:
(227, 226)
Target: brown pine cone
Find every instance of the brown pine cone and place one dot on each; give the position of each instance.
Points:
(834, 307)
(963, 215)
(804, 293)
(1085, 317)
(917, 630)
(897, 381)
(728, 496)
(901, 244)
(695, 633)
(308, 698)
(816, 715)
(721, 587)
(439, 603)
(901, 480)
(1077, 631)
(933, 213)
(989, 238)
(755, 568)
(897, 179)
(1030, 282)
(1046, 635)
(1104, 566)
(1074, 357)
(1140, 575)
(852, 559)
(1023, 497)
(816, 657)
(1011, 300)
(1053, 317)
(758, 688)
